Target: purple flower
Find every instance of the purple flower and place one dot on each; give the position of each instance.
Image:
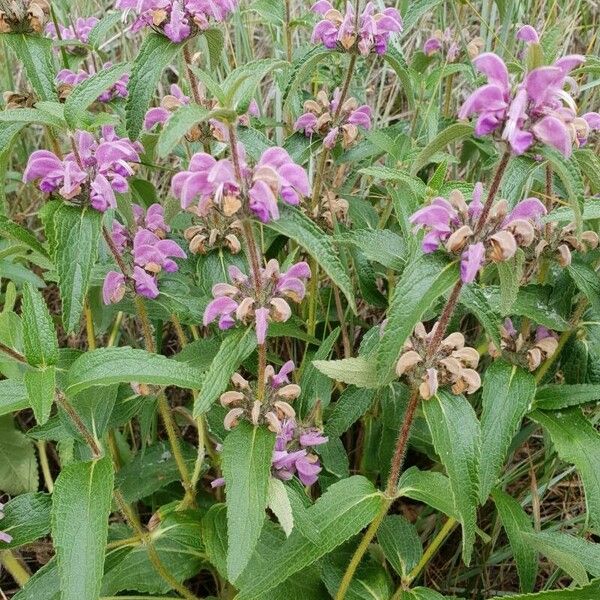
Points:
(114, 287)
(538, 109)
(240, 301)
(454, 225)
(145, 284)
(79, 31)
(169, 103)
(179, 19)
(374, 29)
(322, 117)
(528, 34)
(4, 537)
(103, 165)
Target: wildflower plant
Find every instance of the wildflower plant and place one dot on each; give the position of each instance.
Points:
(291, 293)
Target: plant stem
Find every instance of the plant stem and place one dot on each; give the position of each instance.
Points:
(12, 353)
(288, 32)
(13, 565)
(115, 252)
(89, 327)
(187, 59)
(41, 446)
(494, 187)
(69, 409)
(442, 324)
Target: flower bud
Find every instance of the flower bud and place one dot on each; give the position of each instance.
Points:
(452, 366)
(244, 309)
(233, 243)
(273, 421)
(590, 239)
(239, 382)
(523, 231)
(197, 244)
(457, 199)
(231, 204)
(534, 358)
(564, 255)
(499, 210)
(429, 387)
(469, 382)
(280, 311)
(255, 412)
(455, 341)
(231, 397)
(285, 409)
(289, 392)
(408, 361)
(232, 418)
(313, 107)
(459, 239)
(469, 357)
(547, 345)
(503, 245)
(349, 134)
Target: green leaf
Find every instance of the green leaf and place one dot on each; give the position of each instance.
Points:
(87, 92)
(400, 543)
(402, 70)
(297, 226)
(279, 503)
(302, 69)
(35, 52)
(475, 301)
(589, 592)
(246, 464)
(557, 396)
(359, 371)
(586, 279)
(41, 387)
(415, 11)
(235, 348)
(423, 281)
(8, 134)
(106, 366)
(351, 405)
(13, 396)
(382, 246)
(214, 537)
(152, 469)
(31, 115)
(508, 393)
(574, 555)
(589, 163)
(570, 174)
(341, 512)
(456, 437)
(26, 519)
(43, 585)
(576, 442)
(510, 273)
(452, 133)
(416, 185)
(177, 543)
(100, 30)
(517, 524)
(39, 337)
(421, 593)
(74, 238)
(13, 230)
(18, 465)
(80, 508)
(180, 122)
(154, 55)
(215, 41)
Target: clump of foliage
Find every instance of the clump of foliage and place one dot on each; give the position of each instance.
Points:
(320, 322)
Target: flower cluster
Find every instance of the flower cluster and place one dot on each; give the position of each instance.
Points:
(24, 16)
(452, 364)
(242, 301)
(291, 454)
(454, 225)
(326, 118)
(68, 79)
(560, 243)
(214, 183)
(147, 252)
(178, 19)
(94, 171)
(168, 105)
(4, 537)
(526, 348)
(215, 231)
(79, 31)
(330, 208)
(369, 31)
(445, 43)
(539, 109)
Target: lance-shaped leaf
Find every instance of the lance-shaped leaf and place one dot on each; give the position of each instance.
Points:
(586, 279)
(26, 519)
(341, 512)
(41, 387)
(154, 56)
(556, 396)
(517, 525)
(358, 371)
(400, 542)
(577, 442)
(80, 509)
(35, 52)
(180, 122)
(456, 437)
(298, 227)
(423, 281)
(107, 366)
(18, 465)
(508, 393)
(452, 133)
(74, 239)
(246, 463)
(39, 337)
(302, 69)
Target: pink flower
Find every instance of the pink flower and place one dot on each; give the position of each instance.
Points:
(170, 103)
(104, 165)
(539, 109)
(114, 287)
(79, 31)
(240, 301)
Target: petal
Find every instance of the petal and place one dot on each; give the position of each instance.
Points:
(113, 288)
(552, 131)
(262, 322)
(530, 209)
(528, 34)
(219, 306)
(493, 67)
(487, 98)
(145, 285)
(540, 82)
(471, 261)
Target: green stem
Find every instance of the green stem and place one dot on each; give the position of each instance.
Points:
(87, 435)
(13, 565)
